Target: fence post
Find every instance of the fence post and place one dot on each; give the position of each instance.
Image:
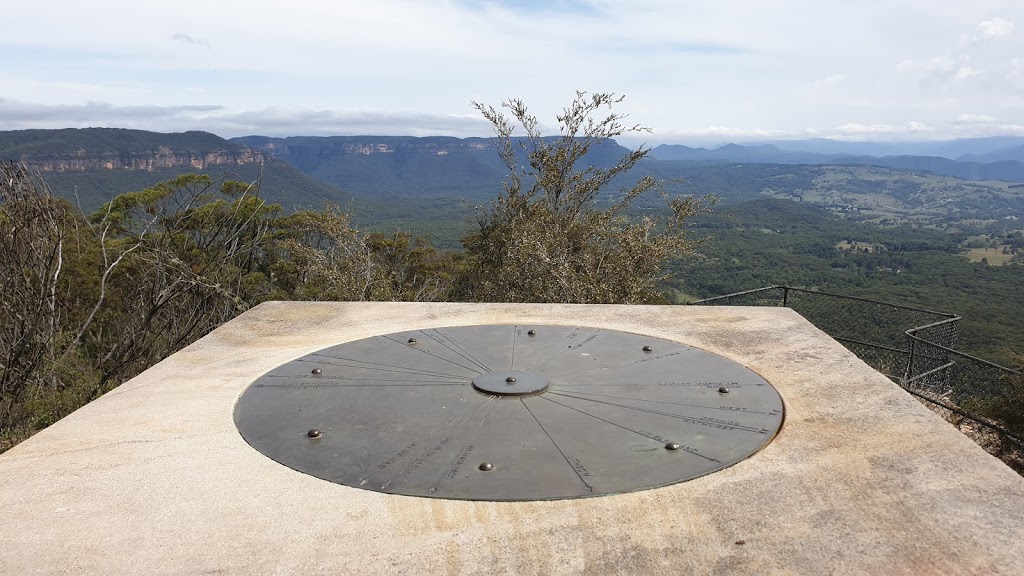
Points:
(785, 296)
(910, 362)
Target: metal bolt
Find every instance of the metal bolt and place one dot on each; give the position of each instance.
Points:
(486, 467)
(532, 332)
(317, 371)
(314, 433)
(511, 379)
(672, 446)
(723, 389)
(648, 348)
(412, 340)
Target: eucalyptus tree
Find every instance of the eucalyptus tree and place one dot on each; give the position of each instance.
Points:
(546, 238)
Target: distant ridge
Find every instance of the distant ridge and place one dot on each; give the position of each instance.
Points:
(92, 165)
(952, 149)
(1006, 166)
(18, 143)
(430, 184)
(1015, 153)
(402, 166)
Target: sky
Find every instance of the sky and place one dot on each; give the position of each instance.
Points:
(695, 71)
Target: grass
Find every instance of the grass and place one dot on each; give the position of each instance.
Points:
(995, 256)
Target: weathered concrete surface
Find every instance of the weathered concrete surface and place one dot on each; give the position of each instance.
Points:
(153, 478)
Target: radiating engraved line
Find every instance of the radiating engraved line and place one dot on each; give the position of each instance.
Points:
(388, 367)
(313, 385)
(732, 410)
(608, 369)
(454, 342)
(469, 442)
(406, 345)
(329, 378)
(577, 472)
(515, 332)
(433, 448)
(404, 367)
(445, 340)
(564, 350)
(670, 415)
(666, 386)
(624, 427)
(562, 341)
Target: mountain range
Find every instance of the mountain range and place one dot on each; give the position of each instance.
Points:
(405, 181)
(952, 149)
(92, 165)
(1001, 164)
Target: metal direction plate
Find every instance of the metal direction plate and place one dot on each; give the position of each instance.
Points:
(509, 413)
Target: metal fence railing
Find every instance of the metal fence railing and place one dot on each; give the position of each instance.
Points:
(915, 348)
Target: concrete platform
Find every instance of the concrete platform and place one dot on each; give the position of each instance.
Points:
(154, 478)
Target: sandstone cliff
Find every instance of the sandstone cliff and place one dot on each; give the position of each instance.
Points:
(97, 149)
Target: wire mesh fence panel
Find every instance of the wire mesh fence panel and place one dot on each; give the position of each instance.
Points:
(1002, 446)
(888, 361)
(992, 393)
(915, 348)
(930, 365)
(860, 320)
(983, 399)
(771, 296)
(941, 333)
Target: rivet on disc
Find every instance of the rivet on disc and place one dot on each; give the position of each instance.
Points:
(412, 340)
(648, 348)
(317, 371)
(511, 379)
(672, 446)
(532, 332)
(314, 433)
(486, 466)
(723, 390)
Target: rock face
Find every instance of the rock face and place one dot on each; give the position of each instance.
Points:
(376, 166)
(364, 145)
(97, 149)
(162, 157)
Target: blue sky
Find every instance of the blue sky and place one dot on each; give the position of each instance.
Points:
(696, 71)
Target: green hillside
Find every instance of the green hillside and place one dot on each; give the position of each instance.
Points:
(282, 184)
(16, 143)
(770, 241)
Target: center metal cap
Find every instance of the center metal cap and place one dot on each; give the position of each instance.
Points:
(510, 383)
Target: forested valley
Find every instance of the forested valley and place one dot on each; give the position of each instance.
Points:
(100, 285)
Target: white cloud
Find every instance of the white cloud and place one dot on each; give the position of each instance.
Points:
(994, 28)
(1015, 74)
(830, 81)
(986, 31)
(965, 72)
(855, 129)
(280, 121)
(975, 119)
(943, 67)
(785, 66)
(725, 132)
(939, 64)
(185, 38)
(272, 121)
(15, 112)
